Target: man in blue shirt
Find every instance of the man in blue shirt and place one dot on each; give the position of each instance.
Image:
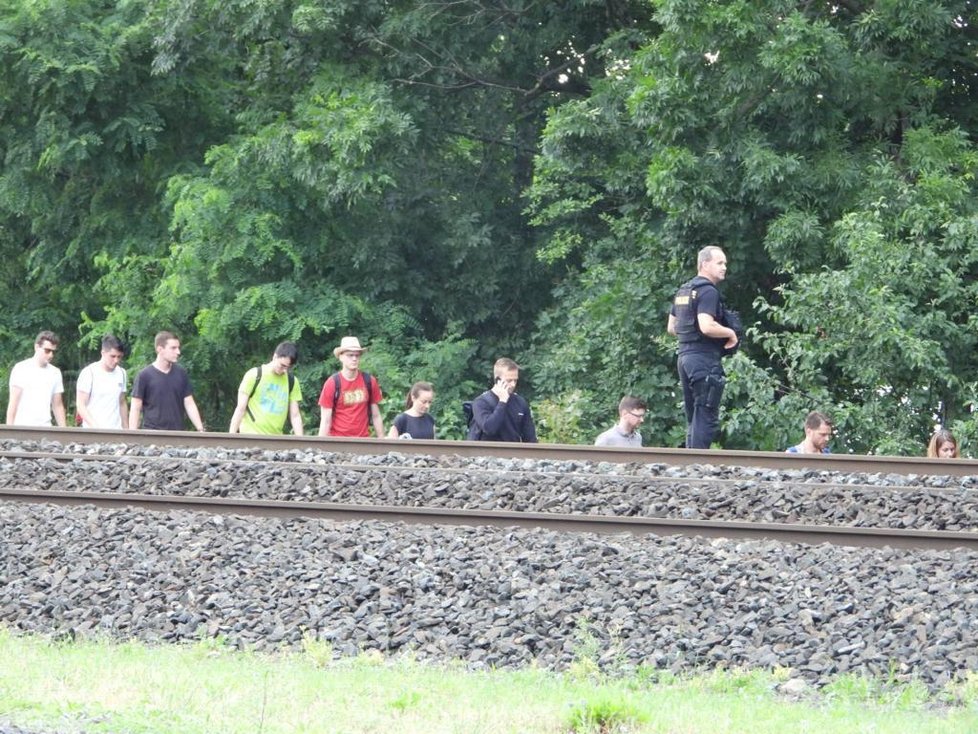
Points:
(818, 433)
(500, 414)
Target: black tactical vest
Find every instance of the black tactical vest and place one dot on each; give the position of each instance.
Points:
(684, 304)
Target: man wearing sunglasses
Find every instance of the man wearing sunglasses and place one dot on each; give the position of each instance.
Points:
(36, 388)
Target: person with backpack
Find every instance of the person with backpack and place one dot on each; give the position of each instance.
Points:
(697, 320)
(350, 400)
(500, 413)
(269, 396)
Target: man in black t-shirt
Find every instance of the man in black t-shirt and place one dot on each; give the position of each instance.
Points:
(162, 393)
(697, 312)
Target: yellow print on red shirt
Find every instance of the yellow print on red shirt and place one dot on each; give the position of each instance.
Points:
(354, 397)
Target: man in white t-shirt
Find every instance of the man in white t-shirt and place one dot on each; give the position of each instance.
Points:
(101, 393)
(36, 388)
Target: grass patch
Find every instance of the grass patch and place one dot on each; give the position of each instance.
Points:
(204, 688)
(605, 716)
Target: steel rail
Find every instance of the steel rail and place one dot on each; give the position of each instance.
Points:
(392, 468)
(556, 452)
(939, 540)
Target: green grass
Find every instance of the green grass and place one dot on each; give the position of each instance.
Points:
(132, 688)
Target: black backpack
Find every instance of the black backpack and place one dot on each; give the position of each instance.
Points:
(731, 319)
(254, 389)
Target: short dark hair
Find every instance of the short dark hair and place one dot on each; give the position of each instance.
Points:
(287, 349)
(816, 419)
(47, 336)
(163, 337)
(110, 342)
(630, 403)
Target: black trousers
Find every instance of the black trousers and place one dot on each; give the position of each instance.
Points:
(702, 379)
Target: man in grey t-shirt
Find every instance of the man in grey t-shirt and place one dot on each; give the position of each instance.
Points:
(631, 413)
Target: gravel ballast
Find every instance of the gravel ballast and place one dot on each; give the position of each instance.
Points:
(655, 490)
(495, 597)
(489, 597)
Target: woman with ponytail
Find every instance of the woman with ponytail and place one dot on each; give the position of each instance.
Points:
(415, 422)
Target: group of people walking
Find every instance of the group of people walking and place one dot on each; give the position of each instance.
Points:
(269, 395)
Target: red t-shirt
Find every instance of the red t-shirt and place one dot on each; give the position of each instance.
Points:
(350, 416)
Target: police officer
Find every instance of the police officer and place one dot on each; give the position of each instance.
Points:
(697, 312)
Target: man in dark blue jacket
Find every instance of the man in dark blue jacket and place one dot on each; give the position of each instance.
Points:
(500, 414)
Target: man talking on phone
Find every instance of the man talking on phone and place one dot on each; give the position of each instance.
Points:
(500, 414)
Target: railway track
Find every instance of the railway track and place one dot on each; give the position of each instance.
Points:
(553, 452)
(602, 524)
(557, 521)
(822, 480)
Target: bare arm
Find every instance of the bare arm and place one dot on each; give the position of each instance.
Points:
(325, 420)
(58, 406)
(378, 420)
(239, 412)
(393, 432)
(15, 393)
(190, 405)
(123, 411)
(711, 328)
(295, 417)
(671, 325)
(81, 405)
(135, 411)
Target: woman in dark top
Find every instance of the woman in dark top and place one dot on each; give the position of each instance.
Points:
(415, 422)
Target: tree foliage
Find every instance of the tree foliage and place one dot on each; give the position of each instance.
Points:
(457, 181)
(821, 145)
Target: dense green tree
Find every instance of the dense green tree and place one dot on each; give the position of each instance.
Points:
(456, 181)
(295, 170)
(88, 137)
(818, 144)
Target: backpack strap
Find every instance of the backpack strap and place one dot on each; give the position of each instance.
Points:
(254, 389)
(288, 401)
(370, 392)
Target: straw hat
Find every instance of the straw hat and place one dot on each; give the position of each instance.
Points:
(349, 344)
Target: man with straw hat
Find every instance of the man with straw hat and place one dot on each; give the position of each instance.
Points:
(349, 402)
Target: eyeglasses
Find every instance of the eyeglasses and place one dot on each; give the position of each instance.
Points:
(640, 416)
